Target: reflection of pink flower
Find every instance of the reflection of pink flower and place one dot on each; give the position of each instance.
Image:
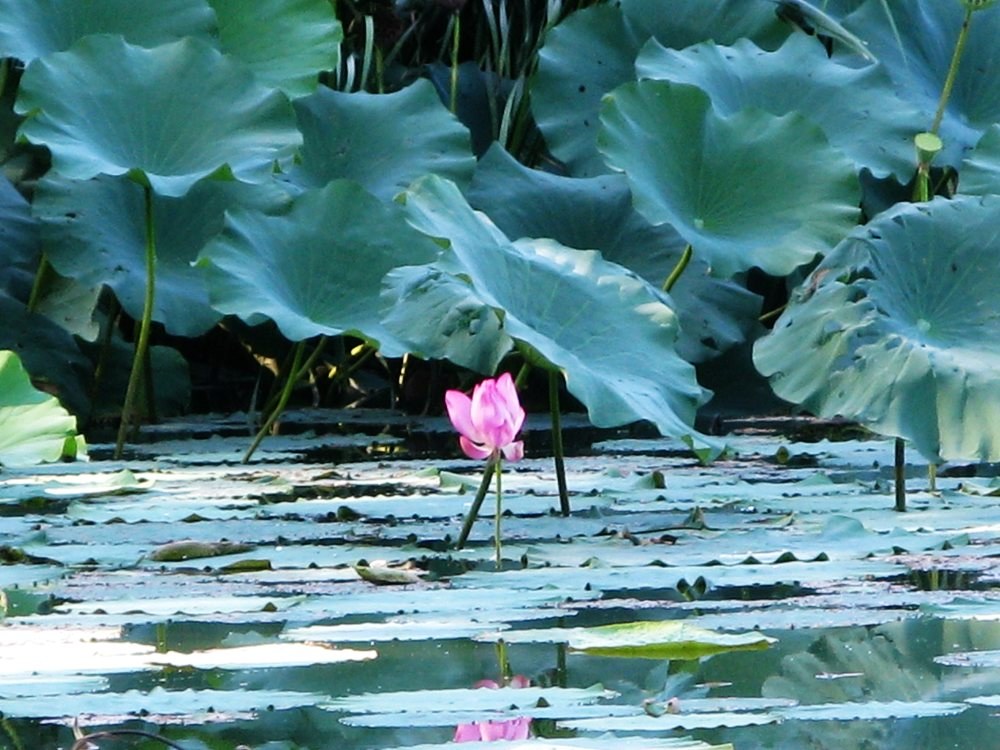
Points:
(489, 421)
(488, 731)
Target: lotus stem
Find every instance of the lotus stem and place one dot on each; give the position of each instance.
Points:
(366, 63)
(678, 269)
(497, 538)
(139, 358)
(477, 503)
(42, 276)
(455, 36)
(900, 475)
(949, 80)
(932, 477)
(286, 394)
(557, 442)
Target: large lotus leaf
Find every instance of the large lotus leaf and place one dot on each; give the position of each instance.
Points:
(597, 214)
(583, 58)
(609, 333)
(95, 233)
(383, 141)
(899, 328)
(856, 108)
(687, 22)
(915, 45)
(33, 28)
(318, 268)
(980, 174)
(751, 189)
(287, 43)
(440, 316)
(19, 245)
(175, 113)
(48, 351)
(34, 428)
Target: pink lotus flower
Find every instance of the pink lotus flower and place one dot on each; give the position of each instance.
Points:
(489, 421)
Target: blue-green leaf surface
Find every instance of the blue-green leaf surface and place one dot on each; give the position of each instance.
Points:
(899, 328)
(34, 28)
(382, 141)
(607, 331)
(317, 269)
(176, 113)
(751, 189)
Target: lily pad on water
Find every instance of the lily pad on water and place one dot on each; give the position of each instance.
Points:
(694, 169)
(262, 656)
(667, 639)
(470, 699)
(903, 322)
(176, 114)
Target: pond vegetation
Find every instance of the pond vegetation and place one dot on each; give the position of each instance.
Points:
(707, 289)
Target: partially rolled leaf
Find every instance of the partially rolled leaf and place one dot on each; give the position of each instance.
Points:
(899, 328)
(610, 334)
(34, 428)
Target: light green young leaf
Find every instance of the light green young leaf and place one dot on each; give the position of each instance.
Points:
(34, 428)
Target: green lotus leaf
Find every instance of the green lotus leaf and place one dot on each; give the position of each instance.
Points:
(980, 174)
(915, 45)
(382, 141)
(318, 268)
(95, 231)
(856, 108)
(597, 214)
(609, 333)
(440, 316)
(175, 114)
(34, 28)
(287, 43)
(19, 242)
(693, 21)
(584, 57)
(34, 428)
(48, 351)
(899, 328)
(751, 189)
